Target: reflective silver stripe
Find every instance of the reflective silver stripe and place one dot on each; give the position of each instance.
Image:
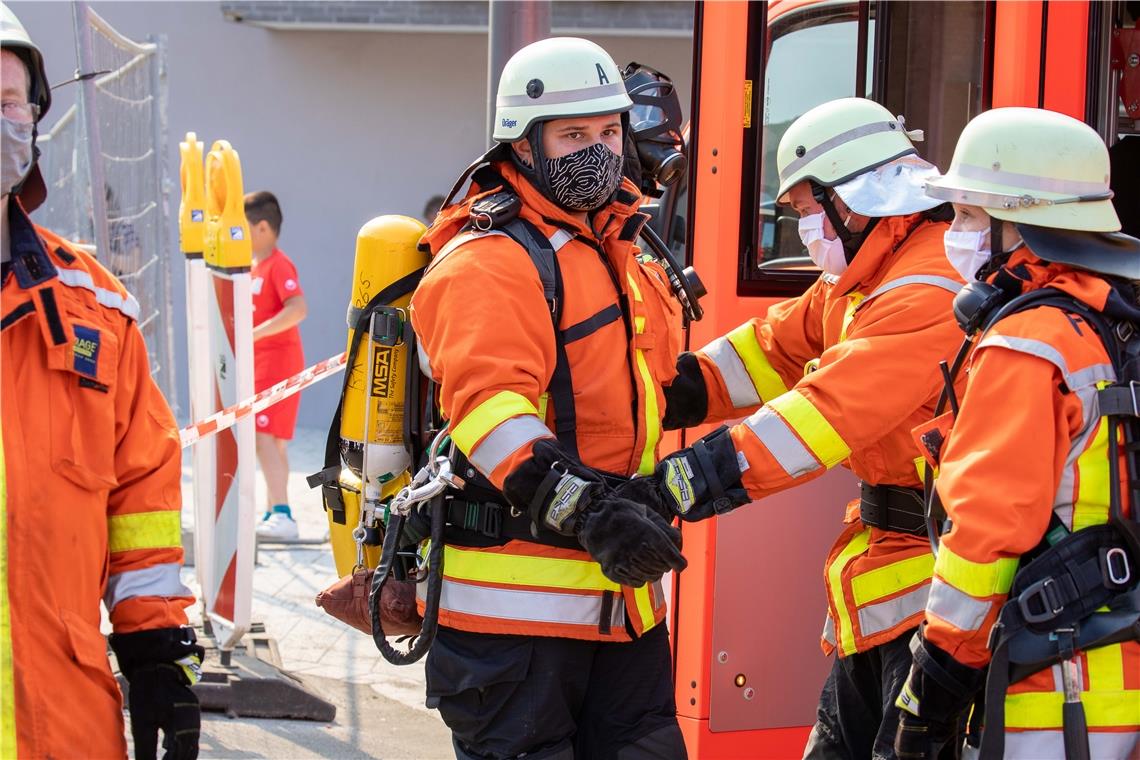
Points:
(916, 279)
(559, 239)
(505, 440)
(1031, 182)
(459, 240)
(157, 580)
(829, 630)
(1066, 490)
(79, 278)
(1050, 745)
(957, 608)
(841, 139)
(523, 605)
(423, 359)
(1087, 376)
(876, 618)
(779, 439)
(558, 97)
(733, 372)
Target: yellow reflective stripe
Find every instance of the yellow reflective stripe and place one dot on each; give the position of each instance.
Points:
(768, 382)
(644, 602)
(979, 579)
(543, 401)
(488, 416)
(1106, 668)
(522, 570)
(1103, 709)
(812, 428)
(633, 286)
(855, 547)
(920, 467)
(7, 672)
(1091, 506)
(892, 578)
(144, 530)
(652, 418)
(853, 301)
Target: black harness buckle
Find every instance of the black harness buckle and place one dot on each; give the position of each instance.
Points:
(1041, 602)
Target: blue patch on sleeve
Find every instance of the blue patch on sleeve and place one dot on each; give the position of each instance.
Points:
(86, 351)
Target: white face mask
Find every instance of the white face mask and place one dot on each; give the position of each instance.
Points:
(967, 251)
(17, 155)
(828, 255)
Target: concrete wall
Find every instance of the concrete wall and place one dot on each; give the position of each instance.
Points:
(342, 126)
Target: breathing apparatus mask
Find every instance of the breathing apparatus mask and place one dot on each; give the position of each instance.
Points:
(654, 130)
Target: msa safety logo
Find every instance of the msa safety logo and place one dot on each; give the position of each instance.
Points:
(86, 351)
(383, 367)
(510, 123)
(197, 215)
(237, 233)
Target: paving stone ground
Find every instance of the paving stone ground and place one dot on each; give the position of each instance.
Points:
(380, 707)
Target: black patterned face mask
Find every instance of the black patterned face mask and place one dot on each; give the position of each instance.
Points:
(585, 179)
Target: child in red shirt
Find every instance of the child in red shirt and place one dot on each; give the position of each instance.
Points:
(278, 307)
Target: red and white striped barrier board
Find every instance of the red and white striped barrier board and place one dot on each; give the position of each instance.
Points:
(227, 417)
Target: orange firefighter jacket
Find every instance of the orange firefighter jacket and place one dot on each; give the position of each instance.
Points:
(1028, 442)
(840, 375)
(486, 332)
(90, 498)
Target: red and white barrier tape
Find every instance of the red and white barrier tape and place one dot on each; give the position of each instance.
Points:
(219, 421)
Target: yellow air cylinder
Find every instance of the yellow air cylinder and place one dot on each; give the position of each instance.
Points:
(374, 388)
(192, 208)
(374, 395)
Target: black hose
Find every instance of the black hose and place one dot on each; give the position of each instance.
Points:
(392, 536)
(677, 279)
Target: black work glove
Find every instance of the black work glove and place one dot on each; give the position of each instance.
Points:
(695, 483)
(160, 665)
(687, 397)
(933, 701)
(632, 544)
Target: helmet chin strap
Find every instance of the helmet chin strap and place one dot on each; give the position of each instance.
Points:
(998, 255)
(851, 241)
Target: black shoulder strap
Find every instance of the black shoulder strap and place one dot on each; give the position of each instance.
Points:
(561, 387)
(358, 323)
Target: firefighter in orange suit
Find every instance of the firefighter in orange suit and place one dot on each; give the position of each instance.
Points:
(90, 495)
(1025, 474)
(839, 375)
(551, 342)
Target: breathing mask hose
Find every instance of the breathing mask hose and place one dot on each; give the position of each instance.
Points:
(684, 281)
(392, 536)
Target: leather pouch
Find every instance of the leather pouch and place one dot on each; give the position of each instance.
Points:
(347, 601)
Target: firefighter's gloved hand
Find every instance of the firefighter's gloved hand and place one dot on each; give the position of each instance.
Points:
(702, 480)
(161, 665)
(687, 397)
(631, 543)
(933, 702)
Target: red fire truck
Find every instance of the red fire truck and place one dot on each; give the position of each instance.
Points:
(748, 611)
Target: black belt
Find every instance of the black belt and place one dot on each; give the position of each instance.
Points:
(483, 523)
(895, 508)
